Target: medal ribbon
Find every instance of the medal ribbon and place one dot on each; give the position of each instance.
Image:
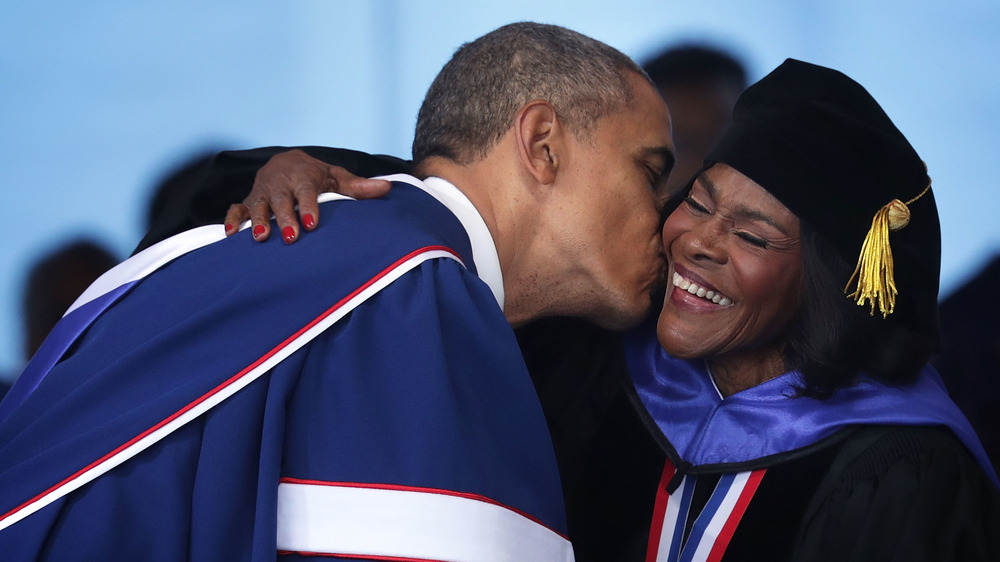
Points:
(714, 526)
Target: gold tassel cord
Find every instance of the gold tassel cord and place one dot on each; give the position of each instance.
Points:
(874, 272)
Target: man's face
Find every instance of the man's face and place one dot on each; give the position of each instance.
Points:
(609, 214)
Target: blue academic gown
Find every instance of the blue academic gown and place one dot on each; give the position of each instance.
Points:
(358, 394)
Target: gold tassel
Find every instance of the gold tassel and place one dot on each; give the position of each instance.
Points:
(874, 272)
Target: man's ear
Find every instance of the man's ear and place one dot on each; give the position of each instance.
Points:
(540, 140)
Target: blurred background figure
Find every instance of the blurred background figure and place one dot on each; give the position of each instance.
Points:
(970, 353)
(55, 281)
(700, 84)
(51, 285)
(57, 278)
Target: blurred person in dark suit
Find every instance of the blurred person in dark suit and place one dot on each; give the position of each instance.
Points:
(700, 85)
(970, 353)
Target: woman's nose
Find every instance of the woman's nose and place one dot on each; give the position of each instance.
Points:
(706, 241)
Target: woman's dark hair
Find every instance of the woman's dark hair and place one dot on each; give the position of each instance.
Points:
(832, 340)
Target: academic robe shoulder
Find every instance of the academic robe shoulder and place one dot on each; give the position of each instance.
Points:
(228, 177)
(902, 493)
(419, 392)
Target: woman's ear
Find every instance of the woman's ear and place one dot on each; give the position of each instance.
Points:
(540, 140)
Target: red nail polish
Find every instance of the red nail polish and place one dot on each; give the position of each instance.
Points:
(258, 231)
(308, 221)
(229, 228)
(288, 233)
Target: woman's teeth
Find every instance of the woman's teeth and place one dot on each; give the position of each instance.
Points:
(693, 288)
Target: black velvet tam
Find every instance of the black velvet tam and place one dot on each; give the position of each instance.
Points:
(819, 142)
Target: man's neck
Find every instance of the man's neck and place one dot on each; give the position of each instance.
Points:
(508, 221)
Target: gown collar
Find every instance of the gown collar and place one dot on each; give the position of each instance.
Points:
(770, 419)
(484, 250)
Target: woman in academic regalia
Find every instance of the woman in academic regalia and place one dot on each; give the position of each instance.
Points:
(762, 413)
(785, 409)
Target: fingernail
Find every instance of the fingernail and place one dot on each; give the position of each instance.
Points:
(308, 221)
(258, 231)
(288, 233)
(229, 228)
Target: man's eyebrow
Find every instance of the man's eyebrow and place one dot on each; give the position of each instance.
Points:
(740, 211)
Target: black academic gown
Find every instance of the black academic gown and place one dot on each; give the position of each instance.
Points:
(837, 499)
(862, 493)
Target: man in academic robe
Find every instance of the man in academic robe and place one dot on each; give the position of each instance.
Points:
(360, 395)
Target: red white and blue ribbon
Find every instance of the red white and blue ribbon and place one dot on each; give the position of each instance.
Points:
(714, 526)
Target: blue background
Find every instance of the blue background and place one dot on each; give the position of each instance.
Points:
(98, 101)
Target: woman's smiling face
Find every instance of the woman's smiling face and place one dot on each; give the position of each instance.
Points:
(735, 269)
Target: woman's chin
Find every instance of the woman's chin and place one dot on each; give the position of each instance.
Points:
(677, 345)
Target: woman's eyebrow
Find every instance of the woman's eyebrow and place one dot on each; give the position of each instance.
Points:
(756, 215)
(741, 211)
(709, 186)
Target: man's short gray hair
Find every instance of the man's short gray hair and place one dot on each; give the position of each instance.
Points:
(472, 102)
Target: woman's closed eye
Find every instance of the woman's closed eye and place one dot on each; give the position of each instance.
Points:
(695, 205)
(751, 239)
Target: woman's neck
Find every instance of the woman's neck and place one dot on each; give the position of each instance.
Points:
(735, 373)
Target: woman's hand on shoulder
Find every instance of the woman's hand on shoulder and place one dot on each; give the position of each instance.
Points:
(295, 178)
